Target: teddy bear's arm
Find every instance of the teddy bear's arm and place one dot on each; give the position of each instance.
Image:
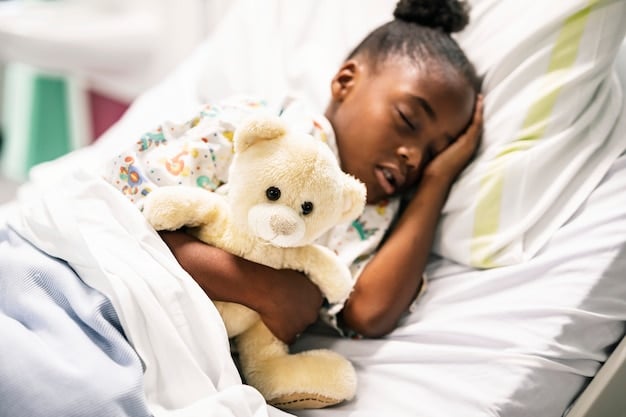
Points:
(324, 268)
(172, 207)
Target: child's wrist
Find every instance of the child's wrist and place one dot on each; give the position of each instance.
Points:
(439, 181)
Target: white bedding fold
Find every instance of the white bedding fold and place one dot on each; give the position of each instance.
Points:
(167, 318)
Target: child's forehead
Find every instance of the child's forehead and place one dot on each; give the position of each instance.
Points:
(413, 79)
(426, 67)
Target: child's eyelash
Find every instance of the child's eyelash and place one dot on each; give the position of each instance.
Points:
(406, 120)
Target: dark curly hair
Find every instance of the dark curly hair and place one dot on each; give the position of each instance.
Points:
(421, 30)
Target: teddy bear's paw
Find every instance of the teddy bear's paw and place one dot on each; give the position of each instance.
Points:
(172, 207)
(311, 379)
(161, 217)
(331, 276)
(342, 288)
(304, 400)
(338, 288)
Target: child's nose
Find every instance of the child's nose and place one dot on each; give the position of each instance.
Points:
(412, 156)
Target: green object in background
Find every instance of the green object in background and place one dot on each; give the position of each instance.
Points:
(49, 120)
(43, 118)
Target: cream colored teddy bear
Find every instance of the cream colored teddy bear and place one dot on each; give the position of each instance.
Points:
(285, 190)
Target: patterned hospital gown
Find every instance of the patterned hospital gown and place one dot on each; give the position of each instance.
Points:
(199, 151)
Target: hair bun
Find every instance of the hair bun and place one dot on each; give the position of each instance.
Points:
(448, 15)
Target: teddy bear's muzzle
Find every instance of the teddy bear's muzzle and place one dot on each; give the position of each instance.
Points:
(278, 225)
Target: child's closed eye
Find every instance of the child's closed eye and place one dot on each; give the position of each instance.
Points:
(406, 120)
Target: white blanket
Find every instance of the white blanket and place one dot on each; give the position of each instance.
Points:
(172, 325)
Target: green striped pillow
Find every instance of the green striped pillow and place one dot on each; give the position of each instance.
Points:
(552, 110)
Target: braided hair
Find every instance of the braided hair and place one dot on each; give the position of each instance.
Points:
(421, 31)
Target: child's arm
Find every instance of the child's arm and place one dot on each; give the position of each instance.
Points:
(389, 283)
(286, 300)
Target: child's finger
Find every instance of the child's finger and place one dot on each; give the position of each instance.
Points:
(474, 131)
(457, 155)
(468, 141)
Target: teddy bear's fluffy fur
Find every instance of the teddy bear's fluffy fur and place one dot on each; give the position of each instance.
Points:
(285, 190)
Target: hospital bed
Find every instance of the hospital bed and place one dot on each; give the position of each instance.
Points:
(529, 329)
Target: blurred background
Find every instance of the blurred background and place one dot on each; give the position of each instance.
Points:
(70, 68)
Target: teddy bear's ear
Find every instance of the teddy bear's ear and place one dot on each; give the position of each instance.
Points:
(256, 129)
(354, 194)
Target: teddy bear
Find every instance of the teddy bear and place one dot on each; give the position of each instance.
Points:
(285, 190)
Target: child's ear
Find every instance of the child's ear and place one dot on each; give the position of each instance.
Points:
(344, 80)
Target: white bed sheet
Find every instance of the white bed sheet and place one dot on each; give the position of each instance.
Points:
(514, 341)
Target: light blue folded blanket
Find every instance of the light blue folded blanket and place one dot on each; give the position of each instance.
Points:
(62, 348)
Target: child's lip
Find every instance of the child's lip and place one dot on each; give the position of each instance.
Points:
(390, 178)
(387, 187)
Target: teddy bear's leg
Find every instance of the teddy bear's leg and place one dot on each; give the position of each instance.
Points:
(310, 379)
(237, 318)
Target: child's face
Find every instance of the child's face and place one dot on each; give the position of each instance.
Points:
(390, 123)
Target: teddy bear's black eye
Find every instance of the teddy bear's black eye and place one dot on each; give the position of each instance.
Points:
(307, 207)
(272, 193)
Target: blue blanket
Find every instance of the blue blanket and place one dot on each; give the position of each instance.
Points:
(62, 349)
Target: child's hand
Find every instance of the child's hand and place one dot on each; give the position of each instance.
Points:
(292, 304)
(287, 301)
(449, 163)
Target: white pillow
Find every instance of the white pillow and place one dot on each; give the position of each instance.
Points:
(552, 101)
